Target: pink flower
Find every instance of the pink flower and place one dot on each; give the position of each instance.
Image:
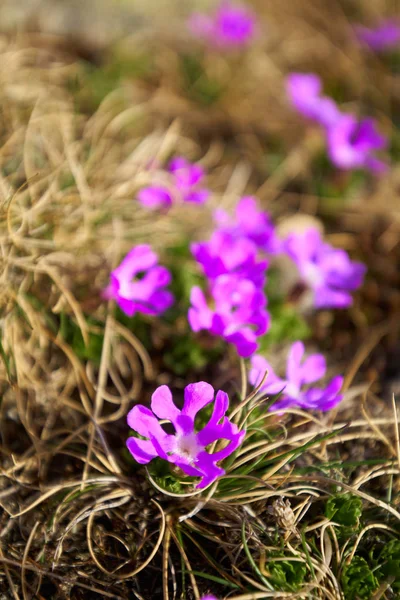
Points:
(238, 314)
(146, 294)
(185, 186)
(299, 373)
(304, 91)
(231, 26)
(328, 271)
(352, 143)
(186, 448)
(383, 37)
(250, 223)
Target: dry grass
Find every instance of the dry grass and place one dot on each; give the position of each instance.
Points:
(78, 519)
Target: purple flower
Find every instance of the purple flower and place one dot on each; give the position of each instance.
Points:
(304, 91)
(185, 187)
(238, 314)
(299, 373)
(187, 178)
(231, 26)
(383, 37)
(351, 144)
(226, 253)
(155, 196)
(186, 448)
(250, 223)
(328, 271)
(208, 597)
(145, 294)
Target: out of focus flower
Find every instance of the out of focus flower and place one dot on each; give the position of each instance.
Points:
(304, 91)
(186, 448)
(208, 597)
(328, 271)
(227, 253)
(383, 37)
(237, 315)
(187, 180)
(299, 373)
(231, 26)
(138, 283)
(249, 223)
(155, 196)
(185, 186)
(352, 143)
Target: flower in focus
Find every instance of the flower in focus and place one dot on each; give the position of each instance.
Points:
(231, 26)
(137, 284)
(299, 373)
(186, 448)
(304, 91)
(185, 186)
(238, 314)
(383, 37)
(328, 271)
(250, 223)
(351, 144)
(227, 253)
(187, 178)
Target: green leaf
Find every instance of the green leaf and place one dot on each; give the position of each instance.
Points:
(287, 574)
(344, 509)
(358, 580)
(390, 559)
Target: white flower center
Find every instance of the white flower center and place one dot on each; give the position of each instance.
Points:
(312, 274)
(187, 446)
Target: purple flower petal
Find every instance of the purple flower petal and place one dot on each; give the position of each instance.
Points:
(155, 197)
(293, 369)
(163, 405)
(142, 451)
(197, 396)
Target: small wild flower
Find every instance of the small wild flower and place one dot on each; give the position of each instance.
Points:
(231, 26)
(186, 448)
(304, 91)
(225, 253)
(237, 315)
(326, 270)
(185, 186)
(250, 223)
(383, 37)
(299, 373)
(138, 283)
(353, 142)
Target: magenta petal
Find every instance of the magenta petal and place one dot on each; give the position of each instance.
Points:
(313, 368)
(293, 369)
(220, 406)
(197, 396)
(142, 450)
(209, 470)
(143, 421)
(163, 405)
(155, 197)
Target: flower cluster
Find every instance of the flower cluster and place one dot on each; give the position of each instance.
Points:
(235, 306)
(351, 142)
(186, 448)
(231, 26)
(138, 283)
(325, 270)
(186, 179)
(299, 373)
(383, 37)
